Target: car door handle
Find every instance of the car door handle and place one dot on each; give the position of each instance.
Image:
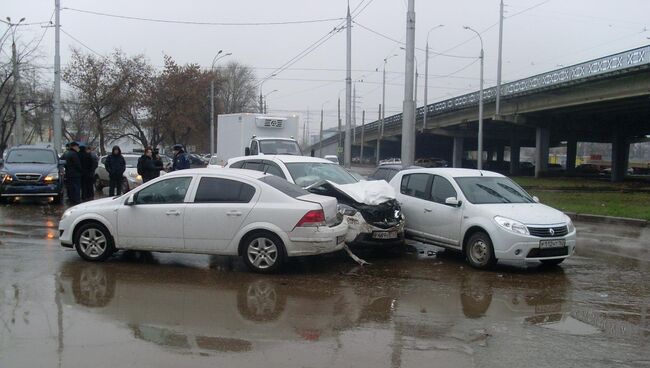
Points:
(172, 213)
(233, 213)
(428, 210)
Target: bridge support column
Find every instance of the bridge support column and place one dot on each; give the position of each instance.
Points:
(571, 152)
(457, 156)
(500, 152)
(620, 157)
(542, 141)
(515, 148)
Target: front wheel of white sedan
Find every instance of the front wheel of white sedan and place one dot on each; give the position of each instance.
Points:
(479, 251)
(263, 252)
(93, 242)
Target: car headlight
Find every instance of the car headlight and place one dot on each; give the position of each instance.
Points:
(68, 212)
(570, 226)
(512, 225)
(52, 176)
(346, 210)
(4, 176)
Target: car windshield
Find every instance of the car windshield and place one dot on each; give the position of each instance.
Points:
(279, 147)
(308, 173)
(131, 161)
(31, 156)
(484, 190)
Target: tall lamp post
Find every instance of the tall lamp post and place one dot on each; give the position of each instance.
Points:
(426, 77)
(261, 95)
(320, 135)
(214, 61)
(265, 96)
(19, 129)
(479, 156)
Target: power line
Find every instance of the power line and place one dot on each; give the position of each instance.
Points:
(81, 43)
(197, 23)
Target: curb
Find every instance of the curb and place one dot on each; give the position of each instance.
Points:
(607, 219)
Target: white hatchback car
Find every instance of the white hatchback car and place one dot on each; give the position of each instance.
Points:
(369, 208)
(228, 212)
(485, 215)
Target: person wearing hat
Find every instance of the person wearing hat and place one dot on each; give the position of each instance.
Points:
(181, 161)
(115, 165)
(149, 165)
(73, 174)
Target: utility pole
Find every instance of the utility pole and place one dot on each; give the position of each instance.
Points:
(479, 155)
(354, 113)
(363, 141)
(19, 128)
(498, 90)
(56, 123)
(382, 107)
(378, 136)
(338, 131)
(426, 78)
(347, 151)
(212, 128)
(320, 135)
(408, 114)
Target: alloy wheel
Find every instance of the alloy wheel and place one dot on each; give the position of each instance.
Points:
(262, 253)
(93, 242)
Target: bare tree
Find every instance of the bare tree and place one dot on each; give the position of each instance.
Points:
(238, 90)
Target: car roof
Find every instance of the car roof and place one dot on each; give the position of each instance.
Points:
(250, 174)
(32, 147)
(284, 158)
(397, 166)
(454, 172)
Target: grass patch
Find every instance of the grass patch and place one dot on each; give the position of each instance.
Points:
(560, 183)
(632, 205)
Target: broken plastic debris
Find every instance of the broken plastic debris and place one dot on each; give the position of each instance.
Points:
(360, 261)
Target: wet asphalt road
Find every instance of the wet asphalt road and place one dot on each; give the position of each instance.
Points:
(418, 309)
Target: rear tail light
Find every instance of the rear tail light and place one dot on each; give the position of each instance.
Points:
(312, 218)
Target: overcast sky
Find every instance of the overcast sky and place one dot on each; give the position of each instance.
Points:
(539, 35)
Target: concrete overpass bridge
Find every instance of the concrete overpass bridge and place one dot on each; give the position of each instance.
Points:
(603, 100)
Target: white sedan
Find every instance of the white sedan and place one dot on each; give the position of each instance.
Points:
(131, 177)
(483, 214)
(228, 212)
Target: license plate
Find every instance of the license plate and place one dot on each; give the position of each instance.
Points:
(340, 239)
(384, 235)
(558, 243)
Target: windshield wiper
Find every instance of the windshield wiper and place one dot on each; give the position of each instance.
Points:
(514, 191)
(494, 193)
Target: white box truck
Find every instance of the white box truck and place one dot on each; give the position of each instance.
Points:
(256, 134)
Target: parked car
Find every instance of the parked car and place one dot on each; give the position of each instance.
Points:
(483, 214)
(589, 169)
(131, 177)
(214, 163)
(556, 168)
(431, 162)
(392, 160)
(369, 208)
(31, 171)
(333, 158)
(230, 212)
(196, 161)
(388, 171)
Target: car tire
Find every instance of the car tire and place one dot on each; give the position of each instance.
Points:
(480, 252)
(552, 262)
(93, 242)
(263, 252)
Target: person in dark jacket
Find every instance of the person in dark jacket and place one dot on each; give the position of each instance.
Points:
(88, 166)
(73, 174)
(115, 165)
(181, 161)
(149, 165)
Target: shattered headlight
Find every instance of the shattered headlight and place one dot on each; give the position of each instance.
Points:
(346, 210)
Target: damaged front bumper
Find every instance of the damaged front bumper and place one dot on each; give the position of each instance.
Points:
(362, 233)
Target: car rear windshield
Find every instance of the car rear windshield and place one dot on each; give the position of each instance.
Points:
(484, 190)
(31, 156)
(290, 189)
(305, 174)
(279, 147)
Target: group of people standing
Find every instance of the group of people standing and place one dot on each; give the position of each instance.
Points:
(81, 163)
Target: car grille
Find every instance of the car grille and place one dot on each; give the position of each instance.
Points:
(548, 232)
(28, 177)
(548, 252)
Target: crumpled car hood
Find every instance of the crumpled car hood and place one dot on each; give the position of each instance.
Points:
(375, 200)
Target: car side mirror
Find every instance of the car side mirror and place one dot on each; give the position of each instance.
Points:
(536, 199)
(247, 151)
(453, 202)
(130, 200)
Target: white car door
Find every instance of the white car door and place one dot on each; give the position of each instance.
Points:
(414, 191)
(155, 219)
(443, 221)
(217, 212)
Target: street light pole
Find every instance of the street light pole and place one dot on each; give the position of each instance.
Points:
(347, 151)
(408, 107)
(320, 135)
(479, 156)
(426, 78)
(19, 129)
(498, 90)
(261, 87)
(266, 99)
(56, 122)
(212, 128)
(383, 107)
